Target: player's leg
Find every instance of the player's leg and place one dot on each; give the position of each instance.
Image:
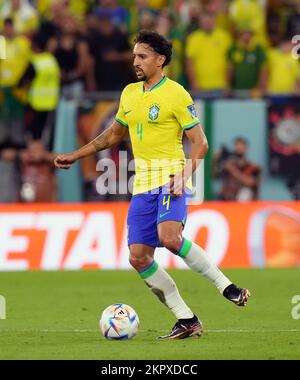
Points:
(171, 217)
(142, 240)
(158, 280)
(170, 235)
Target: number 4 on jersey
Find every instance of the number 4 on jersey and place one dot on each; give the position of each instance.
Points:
(166, 201)
(139, 130)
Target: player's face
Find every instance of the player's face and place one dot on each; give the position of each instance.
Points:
(146, 61)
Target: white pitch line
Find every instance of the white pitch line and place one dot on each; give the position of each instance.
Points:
(144, 331)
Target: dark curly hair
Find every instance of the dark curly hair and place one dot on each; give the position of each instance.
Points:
(157, 42)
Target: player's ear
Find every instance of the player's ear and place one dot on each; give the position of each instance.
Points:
(161, 60)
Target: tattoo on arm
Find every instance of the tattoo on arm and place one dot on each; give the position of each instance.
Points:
(101, 142)
(109, 137)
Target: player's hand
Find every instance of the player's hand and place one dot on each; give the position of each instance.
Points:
(176, 185)
(65, 161)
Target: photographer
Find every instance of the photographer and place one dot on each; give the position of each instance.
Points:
(240, 178)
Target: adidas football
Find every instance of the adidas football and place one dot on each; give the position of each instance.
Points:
(119, 321)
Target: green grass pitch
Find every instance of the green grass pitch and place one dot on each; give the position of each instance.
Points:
(54, 315)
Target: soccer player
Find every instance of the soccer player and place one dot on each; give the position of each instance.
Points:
(156, 111)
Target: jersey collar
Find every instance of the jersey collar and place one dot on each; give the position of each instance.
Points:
(160, 83)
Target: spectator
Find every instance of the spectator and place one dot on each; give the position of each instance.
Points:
(246, 65)
(44, 7)
(112, 53)
(76, 8)
(189, 13)
(11, 100)
(293, 23)
(43, 80)
(25, 17)
(158, 4)
(11, 112)
(116, 14)
(50, 27)
(137, 12)
(74, 59)
(249, 12)
(221, 8)
(283, 70)
(167, 26)
(274, 27)
(206, 53)
(240, 178)
(147, 20)
(38, 176)
(10, 173)
(79, 8)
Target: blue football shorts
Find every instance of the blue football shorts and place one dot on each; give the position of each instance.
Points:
(147, 210)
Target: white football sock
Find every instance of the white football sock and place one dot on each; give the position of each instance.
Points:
(163, 286)
(197, 259)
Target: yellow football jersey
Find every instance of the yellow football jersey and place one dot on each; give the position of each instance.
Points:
(156, 120)
(210, 73)
(284, 71)
(17, 58)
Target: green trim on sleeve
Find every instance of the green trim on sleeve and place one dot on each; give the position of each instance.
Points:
(191, 124)
(122, 122)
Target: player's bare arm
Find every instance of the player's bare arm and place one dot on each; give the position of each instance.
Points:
(111, 136)
(198, 152)
(199, 148)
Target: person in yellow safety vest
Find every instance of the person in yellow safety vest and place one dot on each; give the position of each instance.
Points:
(43, 80)
(13, 63)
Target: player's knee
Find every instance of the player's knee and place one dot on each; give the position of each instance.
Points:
(139, 262)
(172, 243)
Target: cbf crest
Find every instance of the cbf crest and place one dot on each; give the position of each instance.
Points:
(154, 111)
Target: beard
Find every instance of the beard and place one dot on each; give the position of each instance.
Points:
(140, 75)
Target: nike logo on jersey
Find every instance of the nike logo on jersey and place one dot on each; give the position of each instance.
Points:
(127, 112)
(165, 213)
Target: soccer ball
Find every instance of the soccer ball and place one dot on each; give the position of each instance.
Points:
(119, 321)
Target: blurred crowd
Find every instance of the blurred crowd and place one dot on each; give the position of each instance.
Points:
(54, 48)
